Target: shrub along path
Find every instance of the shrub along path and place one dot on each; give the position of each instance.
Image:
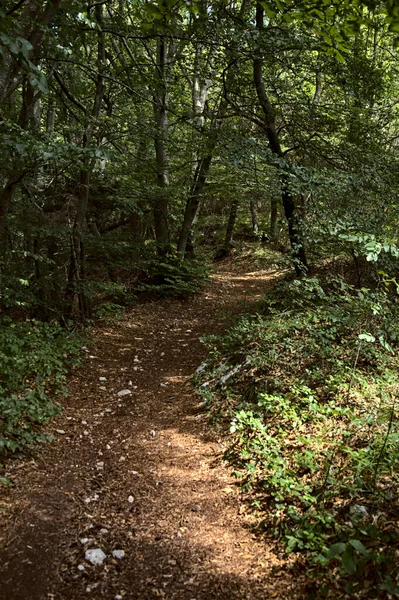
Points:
(140, 472)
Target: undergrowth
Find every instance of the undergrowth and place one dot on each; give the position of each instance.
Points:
(308, 390)
(33, 364)
(174, 278)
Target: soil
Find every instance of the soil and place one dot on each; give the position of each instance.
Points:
(142, 473)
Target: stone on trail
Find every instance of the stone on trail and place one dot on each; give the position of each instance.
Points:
(124, 393)
(102, 379)
(358, 512)
(95, 556)
(118, 553)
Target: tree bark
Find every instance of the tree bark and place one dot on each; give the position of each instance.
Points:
(273, 219)
(161, 203)
(77, 265)
(199, 182)
(296, 241)
(5, 203)
(193, 202)
(33, 12)
(254, 216)
(231, 225)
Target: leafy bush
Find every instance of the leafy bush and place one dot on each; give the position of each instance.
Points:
(309, 388)
(33, 359)
(175, 278)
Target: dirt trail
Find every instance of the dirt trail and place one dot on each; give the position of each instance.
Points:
(141, 473)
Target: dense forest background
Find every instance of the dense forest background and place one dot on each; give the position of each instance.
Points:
(137, 140)
(136, 130)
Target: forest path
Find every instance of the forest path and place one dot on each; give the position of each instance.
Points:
(140, 473)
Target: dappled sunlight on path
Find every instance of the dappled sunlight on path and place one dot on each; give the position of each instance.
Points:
(140, 472)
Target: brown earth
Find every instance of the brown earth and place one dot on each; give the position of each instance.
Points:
(142, 473)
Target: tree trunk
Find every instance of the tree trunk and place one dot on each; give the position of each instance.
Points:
(191, 247)
(273, 219)
(199, 91)
(297, 244)
(193, 203)
(254, 217)
(77, 265)
(230, 225)
(161, 204)
(199, 182)
(5, 203)
(32, 13)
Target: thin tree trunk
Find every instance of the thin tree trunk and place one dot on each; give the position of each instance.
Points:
(297, 244)
(161, 203)
(199, 182)
(199, 89)
(254, 216)
(319, 86)
(193, 203)
(231, 225)
(5, 203)
(50, 117)
(77, 266)
(273, 219)
(191, 242)
(33, 13)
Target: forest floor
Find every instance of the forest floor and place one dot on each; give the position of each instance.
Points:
(142, 472)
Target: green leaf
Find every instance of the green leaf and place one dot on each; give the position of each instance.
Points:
(154, 11)
(336, 549)
(348, 561)
(357, 545)
(268, 10)
(367, 337)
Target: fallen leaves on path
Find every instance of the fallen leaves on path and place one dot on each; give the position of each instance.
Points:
(132, 501)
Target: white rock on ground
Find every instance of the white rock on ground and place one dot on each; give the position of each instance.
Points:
(118, 553)
(358, 511)
(95, 556)
(124, 393)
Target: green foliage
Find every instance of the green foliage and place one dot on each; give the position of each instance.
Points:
(335, 21)
(310, 392)
(33, 359)
(174, 278)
